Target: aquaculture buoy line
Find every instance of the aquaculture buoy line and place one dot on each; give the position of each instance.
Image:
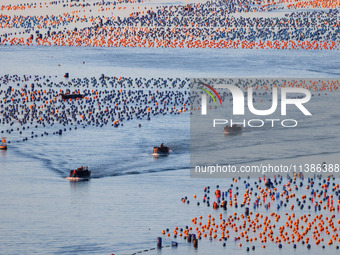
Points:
(266, 84)
(64, 3)
(29, 103)
(256, 213)
(203, 25)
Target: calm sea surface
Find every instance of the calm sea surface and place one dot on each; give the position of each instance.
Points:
(133, 196)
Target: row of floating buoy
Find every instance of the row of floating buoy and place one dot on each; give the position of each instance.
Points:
(103, 82)
(265, 225)
(107, 100)
(262, 87)
(28, 110)
(193, 31)
(165, 43)
(63, 3)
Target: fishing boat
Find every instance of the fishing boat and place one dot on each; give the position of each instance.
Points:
(234, 129)
(71, 96)
(161, 150)
(3, 145)
(81, 173)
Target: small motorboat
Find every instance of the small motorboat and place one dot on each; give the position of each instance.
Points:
(81, 173)
(3, 145)
(161, 150)
(234, 129)
(71, 96)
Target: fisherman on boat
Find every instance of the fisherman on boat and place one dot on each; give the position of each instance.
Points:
(80, 172)
(161, 149)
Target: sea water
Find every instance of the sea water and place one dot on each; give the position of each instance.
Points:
(133, 195)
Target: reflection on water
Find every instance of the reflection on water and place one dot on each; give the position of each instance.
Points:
(232, 134)
(79, 185)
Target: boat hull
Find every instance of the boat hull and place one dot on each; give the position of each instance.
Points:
(77, 179)
(161, 150)
(80, 173)
(233, 130)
